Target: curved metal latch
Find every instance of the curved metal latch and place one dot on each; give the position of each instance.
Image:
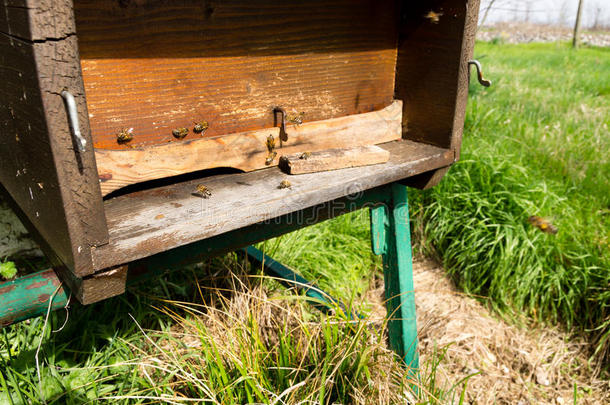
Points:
(283, 133)
(70, 103)
(477, 64)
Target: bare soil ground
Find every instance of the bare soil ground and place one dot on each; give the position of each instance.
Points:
(511, 365)
(518, 33)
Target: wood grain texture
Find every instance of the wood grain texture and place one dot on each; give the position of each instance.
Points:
(156, 65)
(56, 188)
(148, 222)
(333, 159)
(431, 67)
(246, 151)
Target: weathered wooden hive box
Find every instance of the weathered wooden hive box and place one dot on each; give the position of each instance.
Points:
(170, 95)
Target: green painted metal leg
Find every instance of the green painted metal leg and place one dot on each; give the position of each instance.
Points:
(390, 237)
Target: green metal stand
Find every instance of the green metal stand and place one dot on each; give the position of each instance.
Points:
(391, 238)
(29, 296)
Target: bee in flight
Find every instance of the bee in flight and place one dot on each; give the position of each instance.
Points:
(200, 127)
(284, 184)
(124, 136)
(180, 132)
(203, 191)
(542, 224)
(433, 16)
(296, 119)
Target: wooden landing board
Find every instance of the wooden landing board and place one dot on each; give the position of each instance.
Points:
(246, 151)
(333, 159)
(148, 222)
(157, 65)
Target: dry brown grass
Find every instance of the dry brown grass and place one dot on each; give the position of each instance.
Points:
(535, 365)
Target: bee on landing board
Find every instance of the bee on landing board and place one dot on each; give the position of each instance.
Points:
(124, 136)
(270, 143)
(270, 157)
(200, 127)
(180, 132)
(305, 155)
(542, 224)
(203, 191)
(284, 184)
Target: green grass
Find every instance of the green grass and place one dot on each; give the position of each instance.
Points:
(536, 143)
(216, 334)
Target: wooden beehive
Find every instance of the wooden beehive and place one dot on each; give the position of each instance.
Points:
(355, 72)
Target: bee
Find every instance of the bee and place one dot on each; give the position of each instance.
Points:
(180, 132)
(433, 16)
(270, 158)
(203, 191)
(270, 143)
(200, 127)
(296, 119)
(284, 184)
(542, 224)
(124, 136)
(305, 155)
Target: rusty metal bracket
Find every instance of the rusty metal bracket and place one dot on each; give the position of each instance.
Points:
(283, 133)
(484, 82)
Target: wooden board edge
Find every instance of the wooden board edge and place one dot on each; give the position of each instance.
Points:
(245, 151)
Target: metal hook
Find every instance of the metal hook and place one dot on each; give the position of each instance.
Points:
(70, 103)
(477, 64)
(283, 134)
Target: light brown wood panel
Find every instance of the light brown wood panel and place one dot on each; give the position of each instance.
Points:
(155, 220)
(246, 151)
(333, 159)
(156, 65)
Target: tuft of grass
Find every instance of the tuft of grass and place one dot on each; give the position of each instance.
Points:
(214, 333)
(535, 143)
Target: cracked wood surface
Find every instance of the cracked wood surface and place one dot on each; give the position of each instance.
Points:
(56, 188)
(151, 221)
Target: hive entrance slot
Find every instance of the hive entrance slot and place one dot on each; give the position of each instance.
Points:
(168, 181)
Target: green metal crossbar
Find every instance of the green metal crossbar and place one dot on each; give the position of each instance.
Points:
(320, 299)
(29, 296)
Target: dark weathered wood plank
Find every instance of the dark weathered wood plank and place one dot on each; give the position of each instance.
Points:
(37, 20)
(333, 159)
(431, 69)
(56, 187)
(155, 66)
(149, 222)
(470, 32)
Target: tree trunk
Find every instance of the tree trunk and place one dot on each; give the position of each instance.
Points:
(575, 39)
